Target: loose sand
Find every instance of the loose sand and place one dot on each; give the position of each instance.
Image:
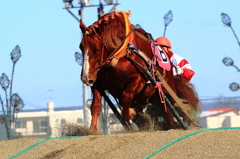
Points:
(223, 143)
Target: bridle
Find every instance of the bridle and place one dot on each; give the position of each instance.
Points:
(101, 48)
(103, 62)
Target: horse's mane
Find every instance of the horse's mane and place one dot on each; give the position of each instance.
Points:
(111, 28)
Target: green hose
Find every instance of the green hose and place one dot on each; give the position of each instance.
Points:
(181, 138)
(38, 143)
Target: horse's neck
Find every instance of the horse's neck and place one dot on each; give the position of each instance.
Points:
(143, 35)
(142, 42)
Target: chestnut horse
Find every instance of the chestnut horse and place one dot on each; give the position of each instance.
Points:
(106, 66)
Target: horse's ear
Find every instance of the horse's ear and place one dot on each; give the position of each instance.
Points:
(82, 26)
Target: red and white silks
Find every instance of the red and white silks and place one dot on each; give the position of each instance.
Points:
(182, 67)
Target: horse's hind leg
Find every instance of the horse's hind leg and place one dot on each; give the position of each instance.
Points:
(96, 108)
(169, 122)
(166, 114)
(169, 117)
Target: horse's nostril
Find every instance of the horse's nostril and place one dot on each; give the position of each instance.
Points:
(90, 81)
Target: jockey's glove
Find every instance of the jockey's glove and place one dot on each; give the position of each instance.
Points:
(179, 70)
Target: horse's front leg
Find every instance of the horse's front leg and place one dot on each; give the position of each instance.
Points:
(96, 108)
(134, 87)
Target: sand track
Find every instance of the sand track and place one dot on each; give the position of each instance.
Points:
(205, 144)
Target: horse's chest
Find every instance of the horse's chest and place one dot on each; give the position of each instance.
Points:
(111, 75)
(109, 81)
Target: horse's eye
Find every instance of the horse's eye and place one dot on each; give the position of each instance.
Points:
(97, 50)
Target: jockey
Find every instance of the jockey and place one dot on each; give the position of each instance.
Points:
(181, 65)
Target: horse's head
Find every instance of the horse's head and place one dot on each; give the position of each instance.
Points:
(90, 47)
(99, 41)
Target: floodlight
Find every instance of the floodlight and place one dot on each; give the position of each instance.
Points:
(168, 17)
(67, 3)
(228, 61)
(139, 26)
(227, 22)
(3, 119)
(78, 58)
(4, 81)
(234, 86)
(226, 19)
(108, 1)
(84, 2)
(17, 102)
(15, 54)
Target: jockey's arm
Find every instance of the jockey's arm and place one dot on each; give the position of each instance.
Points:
(187, 73)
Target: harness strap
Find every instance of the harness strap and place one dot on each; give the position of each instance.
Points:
(150, 63)
(153, 81)
(161, 94)
(113, 54)
(126, 41)
(133, 48)
(177, 100)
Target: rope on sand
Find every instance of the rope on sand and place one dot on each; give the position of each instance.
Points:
(38, 143)
(184, 137)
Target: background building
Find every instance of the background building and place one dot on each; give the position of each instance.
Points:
(222, 117)
(45, 123)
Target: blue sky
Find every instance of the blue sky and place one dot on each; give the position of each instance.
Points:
(49, 36)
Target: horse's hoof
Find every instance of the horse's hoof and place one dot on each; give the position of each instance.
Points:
(128, 115)
(132, 113)
(94, 130)
(126, 118)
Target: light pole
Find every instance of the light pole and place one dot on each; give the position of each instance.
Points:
(227, 22)
(87, 3)
(78, 59)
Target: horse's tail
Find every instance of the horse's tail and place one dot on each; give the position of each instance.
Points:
(186, 91)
